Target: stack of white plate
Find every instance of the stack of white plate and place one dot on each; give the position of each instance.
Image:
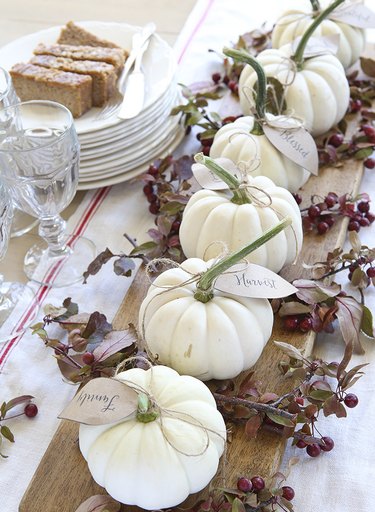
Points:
(115, 150)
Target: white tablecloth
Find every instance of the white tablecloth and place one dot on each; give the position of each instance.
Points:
(338, 481)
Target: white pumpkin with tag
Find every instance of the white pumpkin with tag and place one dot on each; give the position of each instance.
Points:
(316, 88)
(167, 450)
(216, 219)
(294, 23)
(203, 332)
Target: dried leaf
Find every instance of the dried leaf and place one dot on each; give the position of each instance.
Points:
(368, 66)
(114, 342)
(238, 506)
(97, 264)
(123, 266)
(349, 314)
(69, 370)
(99, 503)
(288, 349)
(97, 327)
(355, 241)
(252, 426)
(23, 399)
(294, 308)
(313, 293)
(333, 406)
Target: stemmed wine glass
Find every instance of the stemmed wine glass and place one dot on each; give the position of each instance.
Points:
(22, 223)
(39, 158)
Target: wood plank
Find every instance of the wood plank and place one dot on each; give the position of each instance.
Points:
(62, 480)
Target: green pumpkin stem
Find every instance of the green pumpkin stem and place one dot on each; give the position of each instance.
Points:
(239, 195)
(204, 292)
(146, 412)
(315, 5)
(298, 55)
(260, 102)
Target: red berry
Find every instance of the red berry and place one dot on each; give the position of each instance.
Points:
(308, 224)
(154, 208)
(88, 358)
(148, 189)
(244, 484)
(301, 443)
(305, 324)
(216, 77)
(258, 483)
(322, 227)
(313, 211)
(297, 198)
(354, 226)
(31, 410)
(206, 150)
(207, 142)
(328, 219)
(288, 492)
(331, 199)
(328, 444)
(324, 158)
(152, 198)
(371, 272)
(233, 86)
(291, 323)
(176, 225)
(174, 241)
(369, 163)
(363, 206)
(229, 119)
(226, 79)
(351, 400)
(299, 400)
(153, 170)
(355, 106)
(364, 222)
(370, 216)
(368, 130)
(336, 140)
(313, 450)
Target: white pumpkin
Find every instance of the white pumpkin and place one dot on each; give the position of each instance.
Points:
(318, 93)
(235, 141)
(213, 340)
(211, 217)
(294, 23)
(144, 464)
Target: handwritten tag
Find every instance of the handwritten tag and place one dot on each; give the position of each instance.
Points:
(293, 141)
(318, 45)
(357, 15)
(254, 281)
(207, 179)
(100, 402)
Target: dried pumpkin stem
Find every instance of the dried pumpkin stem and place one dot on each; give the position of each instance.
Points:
(260, 102)
(239, 195)
(315, 5)
(204, 292)
(298, 55)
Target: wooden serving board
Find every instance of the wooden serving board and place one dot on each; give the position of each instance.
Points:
(62, 481)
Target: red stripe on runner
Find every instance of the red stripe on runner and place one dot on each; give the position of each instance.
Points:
(197, 27)
(43, 291)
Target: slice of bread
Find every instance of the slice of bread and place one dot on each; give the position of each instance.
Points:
(103, 75)
(78, 36)
(38, 83)
(112, 56)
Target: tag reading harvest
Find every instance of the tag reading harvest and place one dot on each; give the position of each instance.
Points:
(357, 15)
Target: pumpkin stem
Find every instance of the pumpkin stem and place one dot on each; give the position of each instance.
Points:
(146, 411)
(298, 55)
(260, 102)
(315, 5)
(239, 194)
(204, 291)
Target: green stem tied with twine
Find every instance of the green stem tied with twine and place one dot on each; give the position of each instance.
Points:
(146, 411)
(315, 5)
(298, 55)
(204, 292)
(260, 102)
(240, 195)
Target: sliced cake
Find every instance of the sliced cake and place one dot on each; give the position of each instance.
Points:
(39, 83)
(75, 35)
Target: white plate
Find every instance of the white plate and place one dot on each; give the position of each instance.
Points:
(158, 63)
(114, 180)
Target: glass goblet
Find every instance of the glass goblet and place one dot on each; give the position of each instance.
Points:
(13, 295)
(39, 157)
(22, 223)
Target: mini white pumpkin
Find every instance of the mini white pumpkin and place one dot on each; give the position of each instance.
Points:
(213, 340)
(294, 23)
(236, 142)
(144, 463)
(219, 216)
(316, 89)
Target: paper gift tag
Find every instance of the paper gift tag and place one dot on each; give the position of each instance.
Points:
(357, 15)
(100, 402)
(250, 280)
(293, 141)
(318, 45)
(207, 179)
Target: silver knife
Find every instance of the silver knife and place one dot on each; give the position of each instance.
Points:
(135, 88)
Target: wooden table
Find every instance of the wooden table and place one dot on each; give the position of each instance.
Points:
(19, 18)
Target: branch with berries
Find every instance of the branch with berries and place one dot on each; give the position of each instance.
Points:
(21, 406)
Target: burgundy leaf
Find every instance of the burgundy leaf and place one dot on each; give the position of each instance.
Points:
(349, 315)
(69, 369)
(97, 263)
(114, 342)
(252, 426)
(123, 266)
(333, 406)
(23, 399)
(312, 292)
(164, 224)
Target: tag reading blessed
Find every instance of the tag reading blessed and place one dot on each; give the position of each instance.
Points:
(357, 15)
(254, 281)
(100, 402)
(318, 45)
(208, 179)
(293, 141)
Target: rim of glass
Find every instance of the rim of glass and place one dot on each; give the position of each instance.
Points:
(54, 104)
(8, 81)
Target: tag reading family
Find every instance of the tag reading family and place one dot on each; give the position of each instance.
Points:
(354, 14)
(293, 141)
(254, 281)
(208, 179)
(318, 45)
(100, 402)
